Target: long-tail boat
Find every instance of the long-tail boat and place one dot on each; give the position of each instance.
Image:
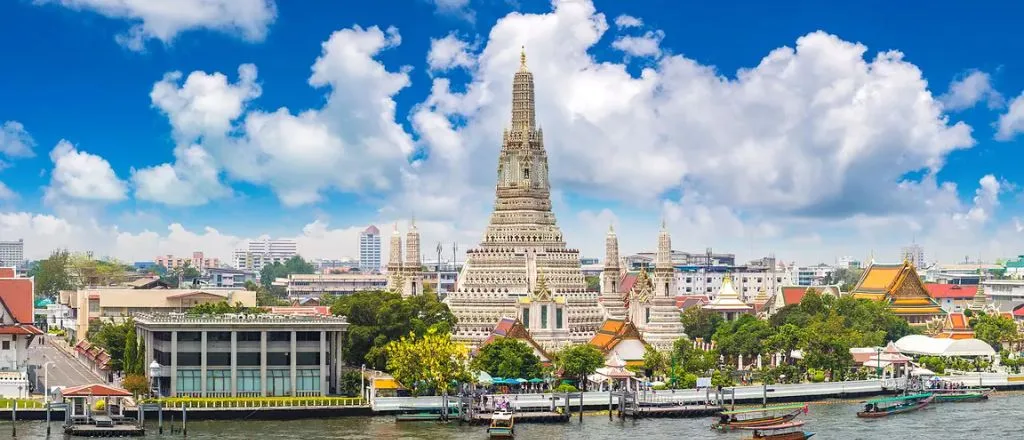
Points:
(888, 406)
(767, 416)
(783, 431)
(961, 395)
(502, 425)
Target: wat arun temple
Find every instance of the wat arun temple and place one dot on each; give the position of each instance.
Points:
(523, 270)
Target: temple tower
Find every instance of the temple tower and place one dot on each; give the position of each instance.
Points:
(611, 298)
(523, 257)
(664, 326)
(412, 268)
(394, 267)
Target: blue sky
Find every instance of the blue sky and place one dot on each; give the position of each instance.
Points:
(371, 112)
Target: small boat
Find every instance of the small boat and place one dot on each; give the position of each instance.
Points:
(767, 416)
(961, 395)
(782, 431)
(888, 406)
(502, 425)
(418, 417)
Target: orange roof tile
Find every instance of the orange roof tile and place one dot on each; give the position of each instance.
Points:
(953, 291)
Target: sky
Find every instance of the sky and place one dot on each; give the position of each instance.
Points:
(806, 130)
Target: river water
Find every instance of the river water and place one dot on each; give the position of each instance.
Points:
(998, 418)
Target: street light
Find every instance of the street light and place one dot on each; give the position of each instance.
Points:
(154, 370)
(362, 381)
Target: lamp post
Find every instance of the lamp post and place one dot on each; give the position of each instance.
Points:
(362, 381)
(154, 371)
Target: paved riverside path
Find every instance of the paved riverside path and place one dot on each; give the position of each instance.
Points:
(808, 391)
(65, 371)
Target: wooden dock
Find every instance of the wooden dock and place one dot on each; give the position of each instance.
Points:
(105, 431)
(672, 411)
(525, 417)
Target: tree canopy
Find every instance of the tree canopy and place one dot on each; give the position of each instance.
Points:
(52, 274)
(507, 357)
(377, 317)
(221, 308)
(271, 272)
(428, 361)
(700, 322)
(994, 329)
(845, 277)
(579, 361)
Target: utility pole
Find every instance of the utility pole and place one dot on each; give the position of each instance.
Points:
(437, 290)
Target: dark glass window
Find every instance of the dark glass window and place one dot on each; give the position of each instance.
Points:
(248, 336)
(189, 359)
(248, 359)
(189, 336)
(218, 359)
(278, 358)
(307, 336)
(307, 358)
(279, 336)
(218, 336)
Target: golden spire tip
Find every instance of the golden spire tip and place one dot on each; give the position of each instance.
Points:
(522, 59)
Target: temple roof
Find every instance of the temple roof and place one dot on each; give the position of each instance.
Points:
(514, 328)
(899, 286)
(956, 327)
(728, 299)
(612, 332)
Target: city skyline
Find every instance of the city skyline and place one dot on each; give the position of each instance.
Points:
(173, 139)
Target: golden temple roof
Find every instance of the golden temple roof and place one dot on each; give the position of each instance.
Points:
(900, 286)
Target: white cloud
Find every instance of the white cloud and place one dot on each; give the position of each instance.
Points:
(15, 141)
(6, 193)
(448, 53)
(352, 143)
(455, 8)
(809, 131)
(986, 198)
(969, 89)
(1012, 122)
(206, 104)
(192, 180)
(165, 20)
(81, 176)
(627, 21)
(646, 45)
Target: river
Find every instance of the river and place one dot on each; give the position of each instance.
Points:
(999, 418)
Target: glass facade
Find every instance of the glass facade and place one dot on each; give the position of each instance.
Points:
(308, 379)
(248, 380)
(218, 381)
(526, 318)
(189, 381)
(279, 383)
(543, 316)
(558, 318)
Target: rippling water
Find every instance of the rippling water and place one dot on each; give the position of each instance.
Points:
(999, 417)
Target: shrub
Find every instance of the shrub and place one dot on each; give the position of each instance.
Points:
(566, 388)
(136, 384)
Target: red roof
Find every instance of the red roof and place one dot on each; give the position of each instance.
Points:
(687, 301)
(627, 282)
(95, 390)
(1019, 310)
(952, 291)
(300, 310)
(7, 272)
(16, 296)
(793, 295)
(20, 330)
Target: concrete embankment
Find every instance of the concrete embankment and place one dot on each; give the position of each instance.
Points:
(289, 413)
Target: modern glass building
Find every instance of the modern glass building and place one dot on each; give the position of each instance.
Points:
(244, 355)
(369, 250)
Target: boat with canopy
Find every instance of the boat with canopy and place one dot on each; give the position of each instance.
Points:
(783, 431)
(502, 425)
(888, 406)
(961, 395)
(766, 416)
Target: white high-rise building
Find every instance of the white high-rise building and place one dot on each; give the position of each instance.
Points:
(914, 254)
(12, 253)
(262, 252)
(369, 250)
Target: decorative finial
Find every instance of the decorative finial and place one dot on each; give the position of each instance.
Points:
(522, 60)
(611, 228)
(396, 228)
(412, 221)
(663, 223)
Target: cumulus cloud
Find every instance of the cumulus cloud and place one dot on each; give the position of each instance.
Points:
(82, 176)
(15, 141)
(448, 53)
(969, 89)
(164, 21)
(646, 45)
(353, 143)
(811, 130)
(455, 8)
(627, 21)
(1011, 123)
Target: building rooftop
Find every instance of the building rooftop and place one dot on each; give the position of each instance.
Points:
(263, 319)
(372, 230)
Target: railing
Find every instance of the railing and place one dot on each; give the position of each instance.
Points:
(22, 403)
(258, 402)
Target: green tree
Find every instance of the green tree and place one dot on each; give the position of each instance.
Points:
(994, 329)
(654, 361)
(507, 357)
(701, 323)
(579, 361)
(271, 272)
(136, 384)
(593, 283)
(431, 361)
(746, 336)
(845, 277)
(378, 317)
(113, 338)
(826, 344)
(131, 353)
(52, 274)
(221, 308)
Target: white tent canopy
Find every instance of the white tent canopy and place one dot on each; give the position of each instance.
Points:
(928, 346)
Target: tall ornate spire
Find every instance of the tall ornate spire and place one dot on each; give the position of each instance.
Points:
(395, 259)
(980, 301)
(664, 257)
(523, 111)
(412, 246)
(611, 250)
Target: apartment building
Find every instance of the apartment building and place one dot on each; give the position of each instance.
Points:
(316, 285)
(259, 253)
(12, 253)
(198, 260)
(369, 250)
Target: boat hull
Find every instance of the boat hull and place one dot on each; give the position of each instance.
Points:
(761, 421)
(786, 436)
(893, 411)
(500, 433)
